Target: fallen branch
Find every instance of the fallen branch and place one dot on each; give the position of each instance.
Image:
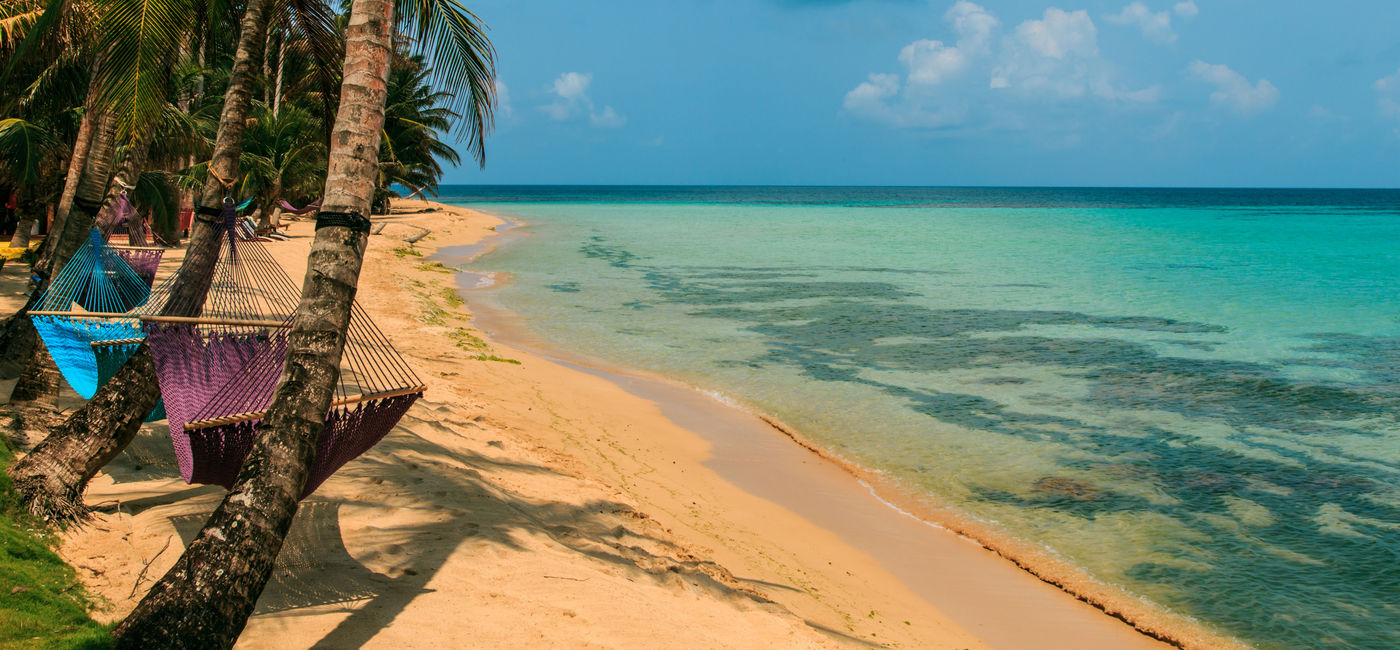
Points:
(142, 575)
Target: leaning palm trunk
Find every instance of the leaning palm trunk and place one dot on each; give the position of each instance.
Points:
(125, 179)
(212, 589)
(17, 337)
(77, 163)
(51, 478)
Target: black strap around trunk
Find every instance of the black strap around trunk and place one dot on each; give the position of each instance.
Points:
(352, 220)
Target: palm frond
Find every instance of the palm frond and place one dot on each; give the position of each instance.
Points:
(25, 149)
(139, 39)
(463, 62)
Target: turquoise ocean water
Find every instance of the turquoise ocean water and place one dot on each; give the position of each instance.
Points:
(1191, 394)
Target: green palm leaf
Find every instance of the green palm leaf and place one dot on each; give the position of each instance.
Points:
(139, 39)
(25, 148)
(463, 61)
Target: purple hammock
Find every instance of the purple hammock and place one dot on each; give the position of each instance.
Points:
(230, 377)
(217, 371)
(310, 207)
(143, 258)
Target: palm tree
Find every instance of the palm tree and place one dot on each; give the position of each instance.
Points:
(212, 589)
(28, 153)
(283, 156)
(51, 478)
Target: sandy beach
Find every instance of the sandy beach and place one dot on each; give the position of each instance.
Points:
(531, 500)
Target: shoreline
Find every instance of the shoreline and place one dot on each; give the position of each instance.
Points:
(536, 503)
(1145, 618)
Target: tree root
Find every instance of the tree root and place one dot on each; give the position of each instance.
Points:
(62, 508)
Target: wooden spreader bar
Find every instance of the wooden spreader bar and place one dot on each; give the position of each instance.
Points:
(101, 344)
(258, 415)
(82, 314)
(198, 320)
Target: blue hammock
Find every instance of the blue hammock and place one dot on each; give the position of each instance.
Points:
(83, 316)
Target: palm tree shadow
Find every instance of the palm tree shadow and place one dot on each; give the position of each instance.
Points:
(313, 568)
(470, 508)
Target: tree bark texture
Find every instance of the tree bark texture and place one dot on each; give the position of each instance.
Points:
(206, 598)
(125, 178)
(77, 163)
(39, 382)
(18, 335)
(51, 479)
(26, 224)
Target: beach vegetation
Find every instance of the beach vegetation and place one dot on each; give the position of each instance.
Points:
(160, 100)
(436, 267)
(407, 251)
(42, 603)
(453, 299)
(468, 341)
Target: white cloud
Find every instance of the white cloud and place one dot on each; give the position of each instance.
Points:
(1233, 91)
(1156, 26)
(503, 107)
(1186, 9)
(930, 62)
(973, 24)
(1061, 33)
(1388, 96)
(572, 85)
(1058, 57)
(1055, 56)
(871, 100)
(571, 88)
(1388, 84)
(608, 119)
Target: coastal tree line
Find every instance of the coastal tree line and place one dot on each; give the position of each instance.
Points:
(162, 101)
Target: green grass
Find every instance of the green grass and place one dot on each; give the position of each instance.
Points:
(42, 604)
(432, 313)
(408, 251)
(450, 295)
(467, 341)
(436, 267)
(492, 357)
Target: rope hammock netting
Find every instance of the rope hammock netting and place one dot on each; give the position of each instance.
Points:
(218, 368)
(307, 209)
(83, 315)
(138, 252)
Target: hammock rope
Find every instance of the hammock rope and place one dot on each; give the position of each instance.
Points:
(87, 303)
(309, 208)
(218, 368)
(138, 252)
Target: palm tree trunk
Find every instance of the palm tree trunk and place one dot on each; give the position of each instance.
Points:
(281, 62)
(212, 589)
(77, 163)
(125, 179)
(26, 224)
(18, 335)
(51, 479)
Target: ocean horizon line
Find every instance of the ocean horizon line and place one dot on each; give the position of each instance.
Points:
(1321, 188)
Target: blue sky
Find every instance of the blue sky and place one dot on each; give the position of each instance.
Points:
(899, 92)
